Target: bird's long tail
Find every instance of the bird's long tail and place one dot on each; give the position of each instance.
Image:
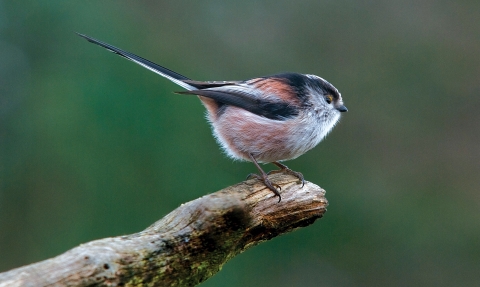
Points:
(162, 71)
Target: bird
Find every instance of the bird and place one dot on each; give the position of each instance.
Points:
(268, 119)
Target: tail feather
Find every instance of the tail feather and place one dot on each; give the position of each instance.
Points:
(162, 71)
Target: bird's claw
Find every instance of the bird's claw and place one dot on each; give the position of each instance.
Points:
(272, 186)
(252, 175)
(285, 169)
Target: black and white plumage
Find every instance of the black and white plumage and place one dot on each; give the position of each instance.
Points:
(265, 119)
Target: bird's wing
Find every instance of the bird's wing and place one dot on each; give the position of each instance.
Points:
(162, 71)
(248, 98)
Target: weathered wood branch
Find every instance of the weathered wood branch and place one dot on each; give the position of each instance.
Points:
(187, 246)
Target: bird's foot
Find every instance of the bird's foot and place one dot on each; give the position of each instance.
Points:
(272, 186)
(285, 169)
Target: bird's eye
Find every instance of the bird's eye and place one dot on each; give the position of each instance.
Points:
(329, 99)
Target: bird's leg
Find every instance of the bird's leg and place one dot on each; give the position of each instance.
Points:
(264, 177)
(285, 169)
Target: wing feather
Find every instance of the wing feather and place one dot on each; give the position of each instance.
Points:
(248, 99)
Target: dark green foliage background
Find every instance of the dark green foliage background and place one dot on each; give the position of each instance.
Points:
(92, 145)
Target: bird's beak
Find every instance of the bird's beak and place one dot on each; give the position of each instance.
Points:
(342, 109)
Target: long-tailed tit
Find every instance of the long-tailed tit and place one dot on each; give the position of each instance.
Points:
(263, 120)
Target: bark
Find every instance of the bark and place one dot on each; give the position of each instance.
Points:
(187, 246)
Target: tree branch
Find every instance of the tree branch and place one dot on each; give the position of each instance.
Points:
(187, 246)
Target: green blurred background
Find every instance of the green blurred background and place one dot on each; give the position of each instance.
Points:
(92, 145)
